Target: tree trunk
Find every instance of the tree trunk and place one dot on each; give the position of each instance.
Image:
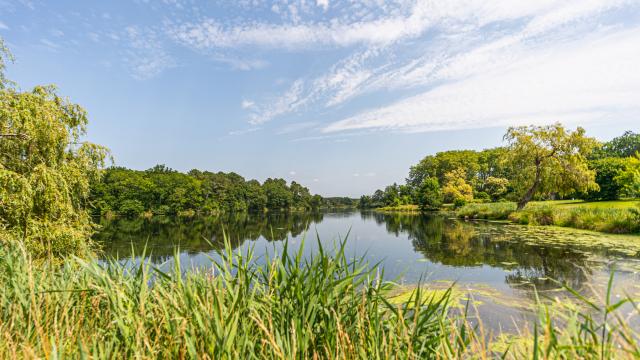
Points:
(532, 191)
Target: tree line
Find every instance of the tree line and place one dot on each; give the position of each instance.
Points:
(537, 163)
(164, 191)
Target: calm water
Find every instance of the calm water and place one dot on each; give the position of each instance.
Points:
(501, 262)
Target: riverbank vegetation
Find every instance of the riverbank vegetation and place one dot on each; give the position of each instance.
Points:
(614, 217)
(538, 163)
(327, 306)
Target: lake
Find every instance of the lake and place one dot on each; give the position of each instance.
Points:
(499, 263)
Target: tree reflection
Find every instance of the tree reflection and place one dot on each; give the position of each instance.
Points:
(123, 238)
(529, 255)
(457, 243)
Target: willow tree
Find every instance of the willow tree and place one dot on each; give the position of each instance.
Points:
(549, 159)
(45, 171)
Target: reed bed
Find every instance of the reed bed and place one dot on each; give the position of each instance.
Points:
(286, 306)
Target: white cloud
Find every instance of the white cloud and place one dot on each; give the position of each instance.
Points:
(576, 81)
(247, 104)
(292, 172)
(211, 33)
(3, 26)
(290, 101)
(324, 4)
(459, 47)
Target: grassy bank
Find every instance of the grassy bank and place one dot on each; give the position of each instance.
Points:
(324, 307)
(617, 217)
(399, 208)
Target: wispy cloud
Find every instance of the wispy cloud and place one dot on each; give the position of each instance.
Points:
(239, 63)
(3, 26)
(211, 33)
(461, 40)
(145, 54)
(247, 104)
(591, 79)
(296, 127)
(244, 131)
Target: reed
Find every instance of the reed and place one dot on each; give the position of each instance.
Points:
(285, 306)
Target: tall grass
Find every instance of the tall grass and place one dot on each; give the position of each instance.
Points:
(322, 307)
(610, 220)
(325, 306)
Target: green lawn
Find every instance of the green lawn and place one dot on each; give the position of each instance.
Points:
(616, 204)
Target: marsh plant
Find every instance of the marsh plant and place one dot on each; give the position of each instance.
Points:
(284, 306)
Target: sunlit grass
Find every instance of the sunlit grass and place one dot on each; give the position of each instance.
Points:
(290, 307)
(618, 217)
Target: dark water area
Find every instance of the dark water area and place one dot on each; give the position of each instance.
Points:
(501, 264)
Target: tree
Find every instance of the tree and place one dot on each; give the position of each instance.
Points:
(5, 54)
(607, 169)
(278, 195)
(625, 145)
(629, 178)
(496, 187)
(429, 194)
(549, 159)
(456, 189)
(256, 197)
(46, 171)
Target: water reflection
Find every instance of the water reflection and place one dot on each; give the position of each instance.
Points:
(124, 238)
(457, 244)
(508, 254)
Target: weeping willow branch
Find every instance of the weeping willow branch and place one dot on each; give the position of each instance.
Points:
(16, 135)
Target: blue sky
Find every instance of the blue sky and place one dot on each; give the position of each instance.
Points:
(342, 96)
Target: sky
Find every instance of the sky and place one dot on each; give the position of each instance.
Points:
(341, 96)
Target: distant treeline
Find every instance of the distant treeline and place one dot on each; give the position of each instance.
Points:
(161, 190)
(461, 176)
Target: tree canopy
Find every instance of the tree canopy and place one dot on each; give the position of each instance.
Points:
(45, 171)
(570, 164)
(163, 191)
(549, 159)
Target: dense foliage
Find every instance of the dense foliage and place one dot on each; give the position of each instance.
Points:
(45, 171)
(161, 190)
(566, 164)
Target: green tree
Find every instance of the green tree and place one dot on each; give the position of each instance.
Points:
(46, 171)
(625, 145)
(5, 54)
(496, 187)
(629, 178)
(607, 169)
(256, 197)
(549, 159)
(429, 194)
(300, 196)
(278, 195)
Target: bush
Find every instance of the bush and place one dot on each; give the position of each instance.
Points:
(491, 211)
